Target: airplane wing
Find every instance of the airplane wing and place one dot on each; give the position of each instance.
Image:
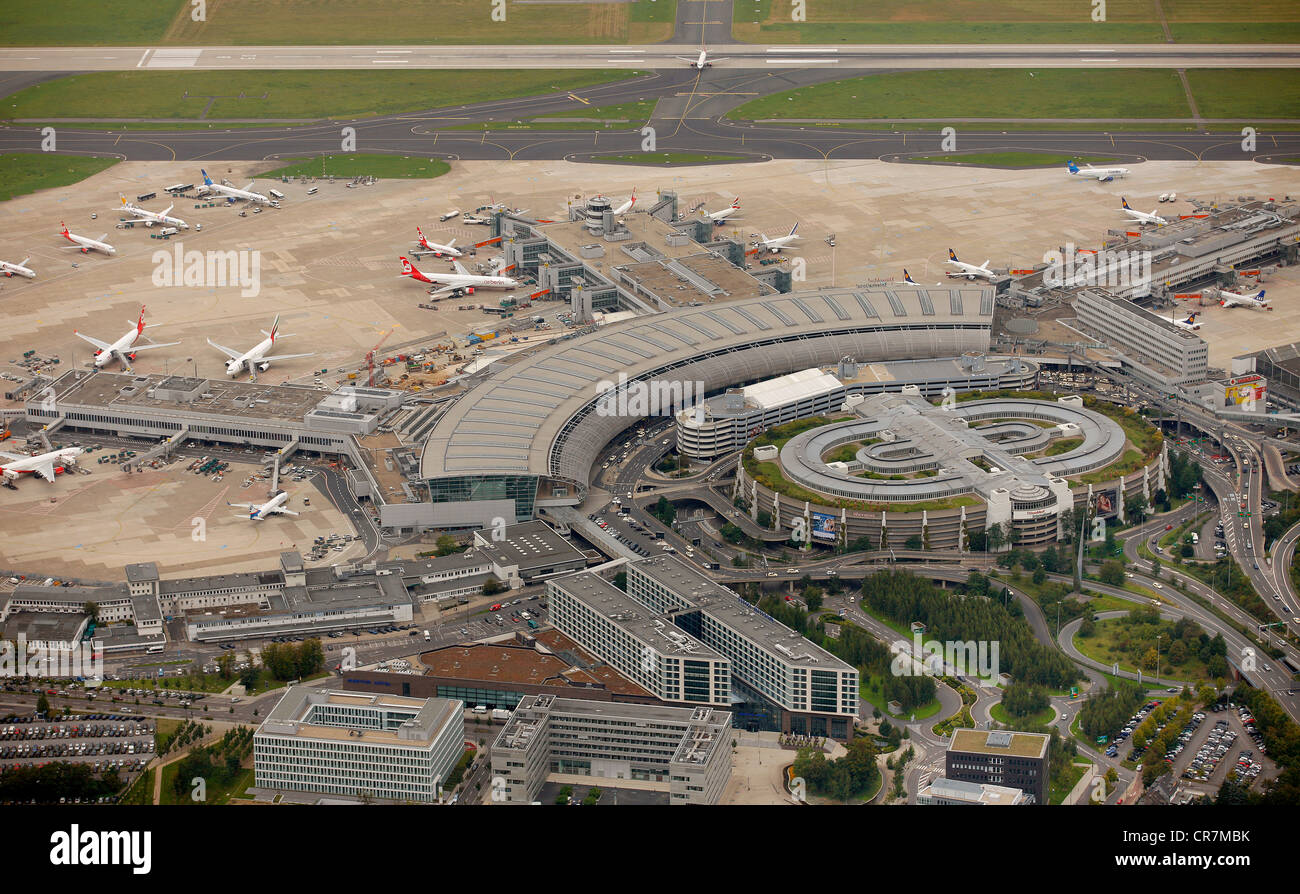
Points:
(283, 511)
(460, 268)
(233, 355)
(103, 346)
(445, 290)
(282, 357)
(102, 238)
(151, 346)
(12, 457)
(45, 470)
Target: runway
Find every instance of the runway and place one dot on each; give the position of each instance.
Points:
(651, 56)
(688, 118)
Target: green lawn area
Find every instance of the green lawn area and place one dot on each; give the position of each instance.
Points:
(1246, 92)
(357, 22)
(1042, 718)
(1106, 646)
(1007, 21)
(971, 93)
(68, 23)
(24, 172)
(1093, 126)
(218, 793)
(1069, 779)
(353, 164)
(670, 158)
(1012, 159)
(251, 95)
(869, 691)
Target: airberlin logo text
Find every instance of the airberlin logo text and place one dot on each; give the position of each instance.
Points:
(210, 269)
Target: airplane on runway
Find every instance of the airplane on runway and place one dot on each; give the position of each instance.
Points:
(776, 244)
(907, 277)
(232, 192)
(255, 358)
(627, 206)
(970, 271)
(125, 348)
(263, 511)
(86, 244)
(721, 217)
(462, 282)
(152, 217)
(47, 465)
(1190, 323)
(1255, 300)
(701, 61)
(1097, 173)
(19, 269)
(1141, 216)
(438, 249)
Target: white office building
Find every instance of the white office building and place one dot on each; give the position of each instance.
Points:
(359, 745)
(1151, 347)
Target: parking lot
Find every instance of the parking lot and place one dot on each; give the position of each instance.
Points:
(104, 741)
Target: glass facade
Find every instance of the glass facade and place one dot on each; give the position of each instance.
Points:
(522, 489)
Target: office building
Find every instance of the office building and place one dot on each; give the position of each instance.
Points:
(1000, 757)
(683, 751)
(360, 745)
(954, 791)
(1151, 347)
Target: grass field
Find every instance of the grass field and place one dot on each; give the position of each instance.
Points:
(355, 164)
(195, 95)
(1246, 92)
(69, 23)
(1112, 644)
(21, 173)
(278, 22)
(669, 158)
(1042, 718)
(1013, 160)
(1014, 21)
(997, 93)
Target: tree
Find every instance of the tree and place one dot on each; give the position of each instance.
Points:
(764, 518)
(913, 542)
(620, 580)
(226, 665)
(1069, 523)
(492, 586)
(1135, 509)
(1039, 575)
(446, 545)
(665, 511)
(92, 609)
(812, 597)
(996, 537)
(1112, 572)
(1087, 627)
(248, 679)
(43, 705)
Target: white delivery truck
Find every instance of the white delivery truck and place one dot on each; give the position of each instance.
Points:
(427, 638)
(500, 714)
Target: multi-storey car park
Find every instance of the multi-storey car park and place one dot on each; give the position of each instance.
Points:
(898, 467)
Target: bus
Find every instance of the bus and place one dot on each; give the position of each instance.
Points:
(153, 650)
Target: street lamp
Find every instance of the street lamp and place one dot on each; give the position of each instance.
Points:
(1158, 635)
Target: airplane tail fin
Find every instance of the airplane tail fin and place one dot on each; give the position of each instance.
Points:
(1124, 203)
(419, 232)
(1072, 167)
(735, 203)
(907, 277)
(139, 323)
(275, 327)
(406, 267)
(122, 197)
(794, 228)
(1259, 296)
(207, 181)
(952, 255)
(64, 232)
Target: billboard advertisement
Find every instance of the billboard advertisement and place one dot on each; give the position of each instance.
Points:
(824, 527)
(1248, 390)
(1105, 503)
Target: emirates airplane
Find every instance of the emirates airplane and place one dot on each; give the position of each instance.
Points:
(255, 358)
(47, 465)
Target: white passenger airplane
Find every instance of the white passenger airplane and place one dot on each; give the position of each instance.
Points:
(701, 61)
(125, 348)
(627, 206)
(970, 271)
(438, 249)
(1097, 173)
(776, 244)
(47, 465)
(232, 192)
(462, 282)
(262, 511)
(1142, 216)
(19, 269)
(728, 213)
(1255, 300)
(85, 243)
(154, 217)
(1189, 323)
(255, 358)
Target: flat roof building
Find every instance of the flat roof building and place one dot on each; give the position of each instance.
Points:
(954, 791)
(526, 552)
(359, 744)
(684, 751)
(1000, 757)
(1153, 348)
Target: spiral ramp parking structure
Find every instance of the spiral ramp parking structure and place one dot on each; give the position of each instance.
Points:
(528, 435)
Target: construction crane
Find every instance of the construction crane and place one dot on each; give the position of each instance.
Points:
(370, 359)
